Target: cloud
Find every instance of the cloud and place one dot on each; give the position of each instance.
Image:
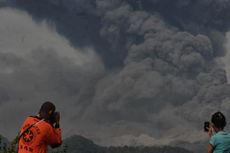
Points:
(169, 76)
(226, 58)
(164, 77)
(37, 64)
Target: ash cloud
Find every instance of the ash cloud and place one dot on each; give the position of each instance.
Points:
(163, 75)
(37, 65)
(164, 67)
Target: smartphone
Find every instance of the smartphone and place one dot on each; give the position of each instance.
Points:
(206, 126)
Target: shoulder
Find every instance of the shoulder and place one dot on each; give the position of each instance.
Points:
(44, 125)
(214, 139)
(38, 122)
(219, 137)
(31, 120)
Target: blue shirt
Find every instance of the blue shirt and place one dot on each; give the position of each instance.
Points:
(220, 142)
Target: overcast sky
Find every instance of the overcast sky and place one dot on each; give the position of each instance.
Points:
(120, 72)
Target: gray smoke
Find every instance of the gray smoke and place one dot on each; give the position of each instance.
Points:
(37, 65)
(130, 72)
(166, 73)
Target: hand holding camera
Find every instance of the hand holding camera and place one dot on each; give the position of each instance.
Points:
(206, 126)
(209, 128)
(57, 117)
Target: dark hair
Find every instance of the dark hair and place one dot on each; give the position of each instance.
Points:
(47, 110)
(218, 119)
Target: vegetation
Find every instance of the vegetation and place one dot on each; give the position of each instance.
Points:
(6, 147)
(79, 144)
(11, 147)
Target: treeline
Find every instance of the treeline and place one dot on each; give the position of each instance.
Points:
(79, 144)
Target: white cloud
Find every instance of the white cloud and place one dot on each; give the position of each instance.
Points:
(226, 59)
(38, 64)
(20, 35)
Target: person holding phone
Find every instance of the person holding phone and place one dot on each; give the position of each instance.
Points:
(40, 131)
(219, 139)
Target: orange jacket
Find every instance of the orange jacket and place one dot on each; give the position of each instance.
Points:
(38, 137)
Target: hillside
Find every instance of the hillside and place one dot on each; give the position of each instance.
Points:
(79, 144)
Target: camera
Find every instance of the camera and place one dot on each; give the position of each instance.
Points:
(54, 117)
(206, 126)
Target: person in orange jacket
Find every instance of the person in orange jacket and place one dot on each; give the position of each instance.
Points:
(40, 131)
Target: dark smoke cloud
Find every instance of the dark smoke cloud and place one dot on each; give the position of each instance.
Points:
(37, 64)
(164, 67)
(199, 16)
(202, 13)
(162, 77)
(75, 19)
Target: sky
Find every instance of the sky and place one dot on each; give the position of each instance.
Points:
(124, 72)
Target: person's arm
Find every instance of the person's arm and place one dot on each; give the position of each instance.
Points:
(212, 144)
(210, 148)
(54, 137)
